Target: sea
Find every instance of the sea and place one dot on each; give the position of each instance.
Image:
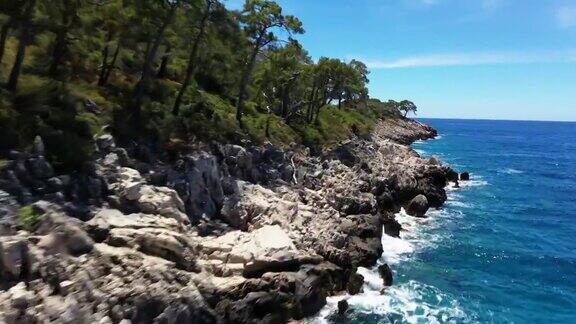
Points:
(501, 250)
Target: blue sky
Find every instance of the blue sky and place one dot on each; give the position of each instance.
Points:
(496, 59)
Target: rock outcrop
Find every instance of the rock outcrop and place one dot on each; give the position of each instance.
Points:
(386, 274)
(224, 234)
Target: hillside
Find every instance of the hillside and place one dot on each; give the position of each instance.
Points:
(160, 73)
(178, 162)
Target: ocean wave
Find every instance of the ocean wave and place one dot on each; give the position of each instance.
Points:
(510, 171)
(475, 181)
(395, 249)
(409, 302)
(457, 203)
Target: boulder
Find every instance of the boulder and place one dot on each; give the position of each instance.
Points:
(392, 227)
(204, 186)
(362, 203)
(239, 162)
(39, 168)
(105, 143)
(386, 201)
(38, 146)
(162, 201)
(14, 257)
(386, 274)
(20, 297)
(257, 307)
(406, 186)
(345, 153)
(418, 206)
(451, 175)
(434, 161)
(63, 233)
(465, 176)
(137, 196)
(270, 249)
(106, 220)
(355, 283)
(267, 249)
(313, 283)
(251, 204)
(8, 214)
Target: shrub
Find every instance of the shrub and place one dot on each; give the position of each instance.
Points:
(29, 217)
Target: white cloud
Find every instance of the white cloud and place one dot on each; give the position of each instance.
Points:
(484, 4)
(566, 17)
(469, 59)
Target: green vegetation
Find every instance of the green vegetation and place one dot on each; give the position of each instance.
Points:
(170, 71)
(28, 218)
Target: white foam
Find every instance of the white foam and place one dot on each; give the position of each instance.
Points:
(395, 249)
(475, 181)
(411, 301)
(510, 171)
(457, 203)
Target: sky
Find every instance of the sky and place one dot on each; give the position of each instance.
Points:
(487, 59)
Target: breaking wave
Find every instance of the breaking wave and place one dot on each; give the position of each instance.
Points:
(409, 301)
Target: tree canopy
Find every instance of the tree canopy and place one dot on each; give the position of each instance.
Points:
(173, 68)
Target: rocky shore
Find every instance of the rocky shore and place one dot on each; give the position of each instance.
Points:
(223, 234)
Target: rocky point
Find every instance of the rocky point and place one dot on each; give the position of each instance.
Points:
(225, 233)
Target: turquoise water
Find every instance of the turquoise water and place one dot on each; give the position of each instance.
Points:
(503, 249)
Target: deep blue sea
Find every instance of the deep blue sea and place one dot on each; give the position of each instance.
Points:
(502, 249)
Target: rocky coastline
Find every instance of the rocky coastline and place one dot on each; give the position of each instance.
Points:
(221, 234)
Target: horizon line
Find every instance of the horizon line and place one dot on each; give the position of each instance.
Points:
(497, 119)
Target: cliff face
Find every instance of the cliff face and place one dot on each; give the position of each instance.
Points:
(228, 233)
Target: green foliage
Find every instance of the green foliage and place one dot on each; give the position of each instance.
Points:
(97, 51)
(57, 114)
(29, 217)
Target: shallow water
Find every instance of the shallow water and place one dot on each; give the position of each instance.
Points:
(502, 249)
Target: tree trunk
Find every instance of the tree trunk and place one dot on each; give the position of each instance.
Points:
(25, 37)
(3, 37)
(103, 69)
(191, 68)
(111, 66)
(163, 70)
(285, 101)
(142, 84)
(58, 53)
(244, 84)
(312, 100)
(267, 129)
